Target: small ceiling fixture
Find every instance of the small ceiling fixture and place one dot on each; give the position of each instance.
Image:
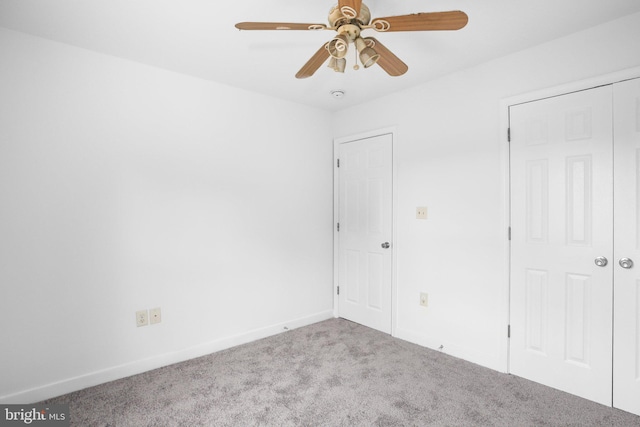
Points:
(349, 18)
(337, 93)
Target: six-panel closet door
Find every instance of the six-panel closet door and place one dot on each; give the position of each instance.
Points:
(575, 218)
(626, 260)
(562, 222)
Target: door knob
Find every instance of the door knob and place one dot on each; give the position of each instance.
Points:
(385, 245)
(601, 261)
(625, 263)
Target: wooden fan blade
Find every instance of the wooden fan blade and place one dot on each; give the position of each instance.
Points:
(350, 8)
(387, 61)
(278, 26)
(314, 63)
(434, 21)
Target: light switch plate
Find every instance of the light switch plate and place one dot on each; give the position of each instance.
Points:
(424, 299)
(421, 212)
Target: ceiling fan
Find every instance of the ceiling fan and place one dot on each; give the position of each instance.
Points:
(349, 18)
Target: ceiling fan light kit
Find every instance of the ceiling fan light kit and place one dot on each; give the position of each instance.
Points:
(338, 64)
(368, 56)
(349, 18)
(339, 46)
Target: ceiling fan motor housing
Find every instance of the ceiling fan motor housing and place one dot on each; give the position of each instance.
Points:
(350, 31)
(338, 19)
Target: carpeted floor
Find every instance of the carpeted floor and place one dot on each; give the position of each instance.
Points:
(333, 373)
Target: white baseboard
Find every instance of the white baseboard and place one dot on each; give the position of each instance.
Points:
(117, 372)
(453, 350)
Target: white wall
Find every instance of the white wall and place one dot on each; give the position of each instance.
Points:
(124, 187)
(450, 156)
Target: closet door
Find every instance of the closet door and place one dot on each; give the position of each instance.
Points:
(562, 223)
(626, 363)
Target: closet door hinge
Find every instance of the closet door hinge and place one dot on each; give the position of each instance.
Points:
(338, 227)
(508, 134)
(509, 233)
(508, 331)
(338, 290)
(338, 163)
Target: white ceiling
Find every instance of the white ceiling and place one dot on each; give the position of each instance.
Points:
(198, 38)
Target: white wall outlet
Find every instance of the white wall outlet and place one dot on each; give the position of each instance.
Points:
(421, 212)
(155, 316)
(142, 318)
(424, 299)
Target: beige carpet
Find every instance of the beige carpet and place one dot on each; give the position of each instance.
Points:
(333, 373)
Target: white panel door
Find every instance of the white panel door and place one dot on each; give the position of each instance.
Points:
(562, 220)
(626, 362)
(365, 210)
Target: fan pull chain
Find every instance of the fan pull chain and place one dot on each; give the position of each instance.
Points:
(356, 67)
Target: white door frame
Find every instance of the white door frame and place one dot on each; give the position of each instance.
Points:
(336, 214)
(505, 103)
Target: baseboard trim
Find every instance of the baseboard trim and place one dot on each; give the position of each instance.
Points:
(137, 367)
(451, 349)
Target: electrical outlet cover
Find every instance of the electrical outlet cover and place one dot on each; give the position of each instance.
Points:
(155, 316)
(142, 318)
